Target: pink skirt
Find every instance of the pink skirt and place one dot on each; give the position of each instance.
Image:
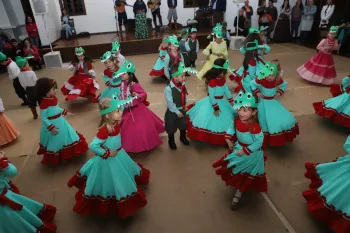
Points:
(8, 130)
(140, 129)
(319, 69)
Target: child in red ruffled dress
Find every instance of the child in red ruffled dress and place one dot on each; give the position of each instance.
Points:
(8, 130)
(82, 83)
(320, 68)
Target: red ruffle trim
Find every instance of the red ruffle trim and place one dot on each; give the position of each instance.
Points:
(336, 89)
(244, 182)
(13, 188)
(67, 153)
(281, 138)
(332, 114)
(318, 207)
(47, 214)
(125, 207)
(157, 73)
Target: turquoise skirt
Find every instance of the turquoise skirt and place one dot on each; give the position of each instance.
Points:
(110, 186)
(31, 217)
(204, 126)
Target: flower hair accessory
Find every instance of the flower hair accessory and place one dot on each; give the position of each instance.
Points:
(117, 103)
(115, 46)
(333, 29)
(79, 51)
(182, 69)
(173, 40)
(106, 56)
(246, 100)
(128, 67)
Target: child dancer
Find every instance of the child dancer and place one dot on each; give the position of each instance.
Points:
(338, 89)
(112, 85)
(320, 68)
(209, 118)
(176, 100)
(337, 109)
(194, 47)
(8, 130)
(277, 123)
(83, 82)
(242, 167)
(58, 140)
(328, 196)
(109, 182)
(216, 49)
(27, 79)
(158, 69)
(140, 127)
(19, 213)
(225, 34)
(173, 58)
(13, 71)
(116, 52)
(184, 47)
(249, 67)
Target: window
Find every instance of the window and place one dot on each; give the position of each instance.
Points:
(73, 7)
(191, 3)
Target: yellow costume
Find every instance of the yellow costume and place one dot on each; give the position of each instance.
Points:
(211, 57)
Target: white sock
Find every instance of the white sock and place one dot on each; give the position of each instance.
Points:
(237, 197)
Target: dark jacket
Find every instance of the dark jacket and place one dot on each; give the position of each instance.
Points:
(273, 12)
(171, 5)
(221, 5)
(248, 14)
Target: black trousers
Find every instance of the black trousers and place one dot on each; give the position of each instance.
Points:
(156, 14)
(21, 93)
(32, 101)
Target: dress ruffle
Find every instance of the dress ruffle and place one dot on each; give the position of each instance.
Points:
(242, 181)
(336, 89)
(281, 138)
(8, 130)
(124, 207)
(157, 73)
(318, 207)
(67, 153)
(338, 118)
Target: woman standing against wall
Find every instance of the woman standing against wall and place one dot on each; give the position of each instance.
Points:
(307, 20)
(282, 29)
(297, 13)
(326, 14)
(32, 31)
(141, 29)
(65, 24)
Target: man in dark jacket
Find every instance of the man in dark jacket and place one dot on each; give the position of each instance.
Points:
(219, 8)
(172, 14)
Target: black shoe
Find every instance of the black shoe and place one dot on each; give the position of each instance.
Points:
(171, 142)
(183, 138)
(24, 104)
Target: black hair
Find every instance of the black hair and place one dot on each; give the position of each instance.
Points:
(288, 6)
(27, 22)
(30, 42)
(43, 86)
(214, 72)
(13, 40)
(301, 4)
(249, 55)
(86, 58)
(132, 78)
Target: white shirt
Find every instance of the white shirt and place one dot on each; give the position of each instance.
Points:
(2, 109)
(27, 78)
(121, 59)
(13, 70)
(326, 15)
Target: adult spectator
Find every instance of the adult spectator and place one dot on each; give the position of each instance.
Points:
(219, 8)
(264, 18)
(248, 12)
(297, 13)
(65, 24)
(31, 50)
(344, 37)
(141, 26)
(16, 50)
(32, 31)
(242, 24)
(282, 30)
(272, 11)
(326, 13)
(307, 20)
(172, 13)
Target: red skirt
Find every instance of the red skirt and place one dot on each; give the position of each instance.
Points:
(336, 89)
(80, 85)
(280, 139)
(86, 205)
(157, 73)
(244, 182)
(67, 153)
(338, 118)
(318, 207)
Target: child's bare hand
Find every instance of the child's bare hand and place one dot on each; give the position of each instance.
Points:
(54, 131)
(229, 143)
(180, 115)
(2, 154)
(240, 153)
(217, 112)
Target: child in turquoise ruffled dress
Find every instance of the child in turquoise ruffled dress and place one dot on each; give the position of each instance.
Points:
(328, 196)
(112, 85)
(109, 182)
(158, 69)
(242, 167)
(337, 109)
(209, 118)
(277, 123)
(20, 214)
(58, 140)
